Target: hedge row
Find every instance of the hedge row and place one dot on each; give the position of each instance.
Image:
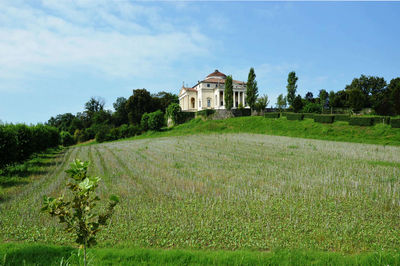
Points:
(342, 117)
(324, 118)
(205, 113)
(309, 115)
(361, 121)
(381, 120)
(271, 115)
(294, 116)
(395, 122)
(18, 142)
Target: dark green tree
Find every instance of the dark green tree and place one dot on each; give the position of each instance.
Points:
(297, 103)
(331, 99)
(291, 87)
(139, 103)
(173, 112)
(394, 92)
(323, 98)
(163, 99)
(251, 89)
(120, 116)
(228, 94)
(356, 99)
(309, 97)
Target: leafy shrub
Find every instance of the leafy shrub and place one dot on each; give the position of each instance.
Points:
(271, 115)
(241, 112)
(308, 115)
(156, 120)
(115, 134)
(66, 138)
(361, 121)
(324, 118)
(342, 117)
(103, 133)
(183, 117)
(395, 122)
(312, 108)
(173, 111)
(294, 116)
(205, 113)
(381, 120)
(144, 122)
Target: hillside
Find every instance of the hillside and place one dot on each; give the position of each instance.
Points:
(338, 131)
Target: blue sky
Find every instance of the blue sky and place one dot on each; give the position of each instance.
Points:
(55, 55)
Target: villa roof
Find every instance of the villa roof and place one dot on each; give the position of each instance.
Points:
(216, 73)
(217, 80)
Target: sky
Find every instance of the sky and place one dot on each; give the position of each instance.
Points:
(55, 55)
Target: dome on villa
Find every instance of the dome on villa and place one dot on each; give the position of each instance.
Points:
(216, 74)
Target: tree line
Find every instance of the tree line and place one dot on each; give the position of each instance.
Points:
(363, 92)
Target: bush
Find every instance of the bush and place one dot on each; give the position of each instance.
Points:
(341, 117)
(103, 133)
(241, 112)
(361, 121)
(312, 108)
(172, 112)
(294, 116)
(395, 122)
(66, 138)
(156, 120)
(324, 118)
(381, 120)
(271, 115)
(144, 122)
(114, 134)
(308, 115)
(205, 113)
(183, 117)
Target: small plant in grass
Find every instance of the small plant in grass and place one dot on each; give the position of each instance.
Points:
(78, 214)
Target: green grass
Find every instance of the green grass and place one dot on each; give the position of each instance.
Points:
(338, 131)
(37, 254)
(227, 191)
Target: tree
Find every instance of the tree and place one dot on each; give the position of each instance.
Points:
(173, 111)
(79, 214)
(95, 104)
(370, 87)
(331, 98)
(309, 97)
(120, 116)
(139, 103)
(163, 99)
(323, 97)
(394, 92)
(251, 89)
(281, 102)
(228, 94)
(297, 104)
(156, 120)
(356, 99)
(291, 87)
(262, 103)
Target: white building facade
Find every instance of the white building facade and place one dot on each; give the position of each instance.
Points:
(209, 94)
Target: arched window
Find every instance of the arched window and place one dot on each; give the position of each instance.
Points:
(208, 102)
(192, 101)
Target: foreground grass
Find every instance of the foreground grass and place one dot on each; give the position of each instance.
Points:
(338, 131)
(228, 191)
(36, 254)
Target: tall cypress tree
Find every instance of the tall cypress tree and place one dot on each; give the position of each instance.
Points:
(228, 95)
(291, 87)
(251, 89)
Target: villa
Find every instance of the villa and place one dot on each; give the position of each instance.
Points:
(209, 94)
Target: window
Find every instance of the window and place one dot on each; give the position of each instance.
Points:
(192, 101)
(199, 103)
(208, 102)
(208, 85)
(216, 85)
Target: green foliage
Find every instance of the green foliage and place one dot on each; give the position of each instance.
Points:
(311, 107)
(206, 113)
(173, 112)
(251, 89)
(281, 102)
(66, 138)
(294, 116)
(291, 87)
(78, 214)
(328, 119)
(184, 117)
(228, 93)
(144, 123)
(103, 133)
(380, 120)
(261, 103)
(394, 92)
(139, 103)
(271, 115)
(156, 120)
(323, 98)
(342, 117)
(241, 112)
(127, 131)
(297, 104)
(361, 121)
(395, 122)
(309, 115)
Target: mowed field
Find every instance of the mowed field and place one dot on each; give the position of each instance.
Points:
(227, 191)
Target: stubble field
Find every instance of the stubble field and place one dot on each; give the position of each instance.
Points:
(227, 191)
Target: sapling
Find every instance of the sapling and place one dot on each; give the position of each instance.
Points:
(79, 214)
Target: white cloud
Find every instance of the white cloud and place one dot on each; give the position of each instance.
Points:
(113, 38)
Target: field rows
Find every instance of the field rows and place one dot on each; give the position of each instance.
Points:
(229, 191)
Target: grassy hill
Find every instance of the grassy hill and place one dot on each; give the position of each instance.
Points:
(307, 128)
